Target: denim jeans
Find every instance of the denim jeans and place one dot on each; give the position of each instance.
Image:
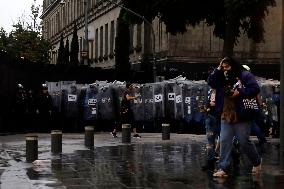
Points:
(211, 127)
(242, 132)
(256, 130)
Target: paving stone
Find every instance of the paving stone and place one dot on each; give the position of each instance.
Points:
(147, 163)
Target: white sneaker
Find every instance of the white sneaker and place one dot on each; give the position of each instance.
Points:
(257, 169)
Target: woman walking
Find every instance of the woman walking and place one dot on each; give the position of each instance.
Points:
(233, 83)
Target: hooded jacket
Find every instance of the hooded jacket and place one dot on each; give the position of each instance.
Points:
(217, 81)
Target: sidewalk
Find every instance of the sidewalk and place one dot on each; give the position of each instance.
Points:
(147, 163)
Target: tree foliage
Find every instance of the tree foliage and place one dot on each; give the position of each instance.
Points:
(3, 40)
(66, 52)
(60, 57)
(74, 47)
(25, 40)
(26, 44)
(230, 18)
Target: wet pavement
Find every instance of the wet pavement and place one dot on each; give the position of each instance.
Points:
(146, 163)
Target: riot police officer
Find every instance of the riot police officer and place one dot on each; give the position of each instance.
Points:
(20, 109)
(44, 109)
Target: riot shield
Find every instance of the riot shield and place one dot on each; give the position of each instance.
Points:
(159, 101)
(90, 103)
(148, 98)
(54, 89)
(70, 100)
(138, 104)
(107, 103)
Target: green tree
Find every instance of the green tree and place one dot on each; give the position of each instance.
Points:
(74, 51)
(27, 44)
(60, 57)
(66, 52)
(3, 39)
(122, 40)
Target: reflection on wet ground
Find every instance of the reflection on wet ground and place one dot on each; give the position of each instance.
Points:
(164, 165)
(146, 163)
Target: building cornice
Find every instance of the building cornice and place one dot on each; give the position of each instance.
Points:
(49, 8)
(99, 10)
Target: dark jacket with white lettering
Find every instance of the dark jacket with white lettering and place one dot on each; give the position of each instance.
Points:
(216, 80)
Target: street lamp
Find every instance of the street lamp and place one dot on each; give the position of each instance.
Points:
(152, 32)
(86, 43)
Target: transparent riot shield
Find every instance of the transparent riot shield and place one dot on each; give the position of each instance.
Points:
(200, 101)
(138, 105)
(159, 101)
(90, 103)
(148, 98)
(174, 99)
(54, 89)
(70, 100)
(108, 109)
(179, 108)
(187, 95)
(170, 97)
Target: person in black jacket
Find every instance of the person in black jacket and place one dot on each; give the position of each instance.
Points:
(44, 109)
(126, 113)
(20, 109)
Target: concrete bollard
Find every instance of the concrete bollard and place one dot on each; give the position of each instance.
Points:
(31, 148)
(166, 131)
(89, 136)
(126, 133)
(56, 141)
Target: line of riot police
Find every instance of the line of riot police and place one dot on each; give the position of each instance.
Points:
(177, 101)
(69, 106)
(31, 111)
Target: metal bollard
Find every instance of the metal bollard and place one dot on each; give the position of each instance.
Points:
(126, 133)
(31, 148)
(166, 131)
(56, 141)
(89, 136)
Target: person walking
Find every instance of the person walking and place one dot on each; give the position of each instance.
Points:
(126, 113)
(212, 132)
(232, 83)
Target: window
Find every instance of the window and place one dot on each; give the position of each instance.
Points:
(101, 41)
(81, 45)
(111, 36)
(97, 44)
(106, 40)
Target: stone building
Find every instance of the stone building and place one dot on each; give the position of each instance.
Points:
(173, 52)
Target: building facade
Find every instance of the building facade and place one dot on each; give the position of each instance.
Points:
(197, 45)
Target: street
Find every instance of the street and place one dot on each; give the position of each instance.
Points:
(148, 162)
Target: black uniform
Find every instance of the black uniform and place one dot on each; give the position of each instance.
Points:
(20, 110)
(44, 109)
(126, 111)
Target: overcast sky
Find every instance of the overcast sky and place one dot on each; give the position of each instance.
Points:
(12, 10)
